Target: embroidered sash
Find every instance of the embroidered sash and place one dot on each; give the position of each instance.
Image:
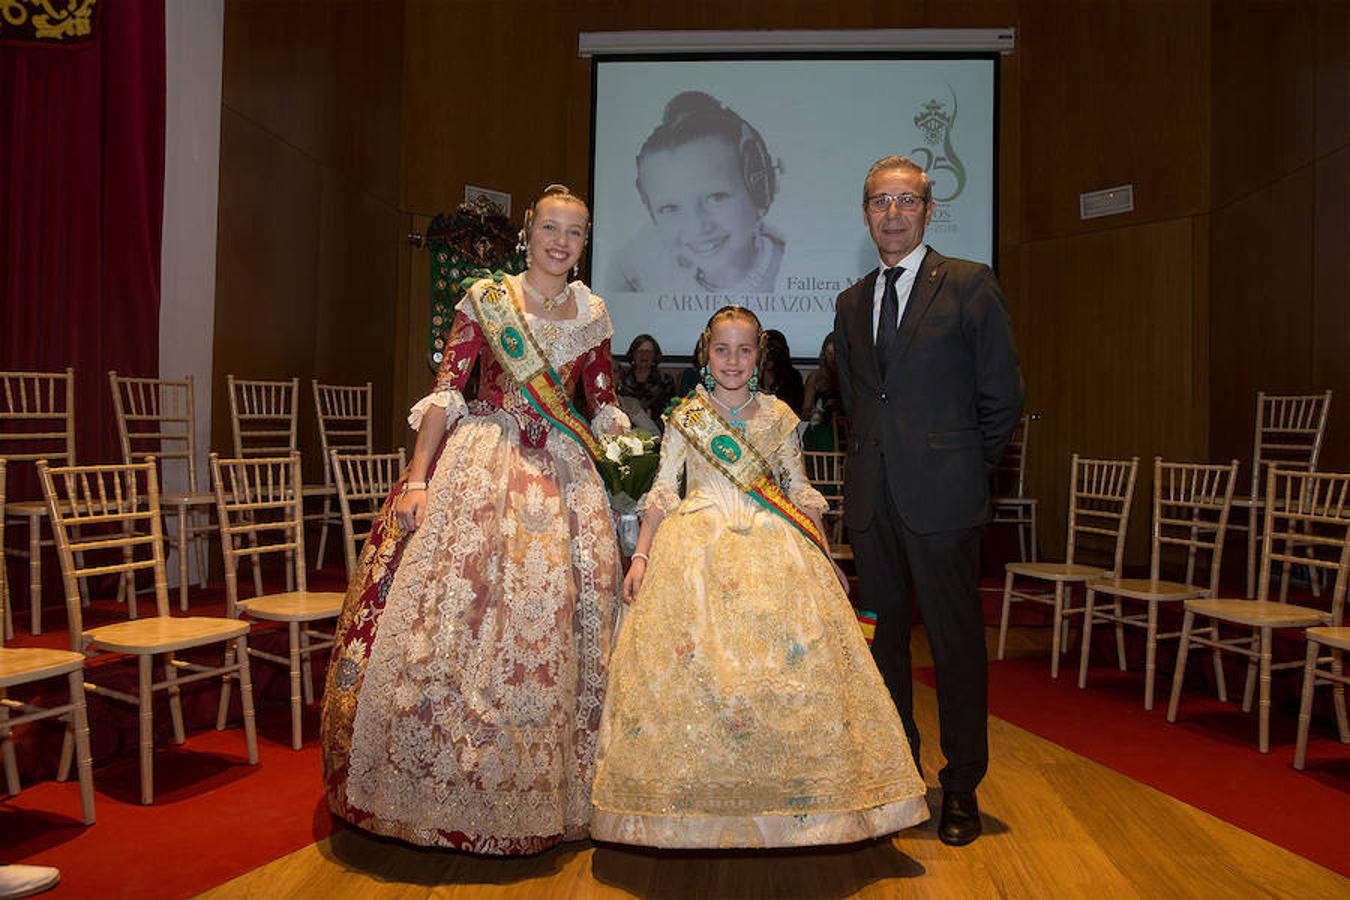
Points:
(735, 457)
(503, 322)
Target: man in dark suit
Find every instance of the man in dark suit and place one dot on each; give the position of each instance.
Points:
(930, 382)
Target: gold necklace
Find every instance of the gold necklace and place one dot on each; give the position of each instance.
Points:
(548, 303)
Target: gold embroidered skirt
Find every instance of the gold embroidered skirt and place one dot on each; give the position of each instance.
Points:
(744, 709)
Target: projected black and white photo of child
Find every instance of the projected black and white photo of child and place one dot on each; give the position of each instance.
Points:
(707, 180)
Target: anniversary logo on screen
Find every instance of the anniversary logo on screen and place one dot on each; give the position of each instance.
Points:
(939, 160)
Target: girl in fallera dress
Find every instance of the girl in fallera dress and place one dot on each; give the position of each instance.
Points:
(466, 683)
(744, 709)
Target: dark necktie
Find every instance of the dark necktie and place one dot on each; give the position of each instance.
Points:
(889, 321)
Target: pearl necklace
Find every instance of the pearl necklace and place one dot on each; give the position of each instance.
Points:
(734, 412)
(548, 303)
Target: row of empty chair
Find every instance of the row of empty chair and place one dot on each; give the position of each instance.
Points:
(106, 521)
(1305, 524)
(157, 417)
(1192, 515)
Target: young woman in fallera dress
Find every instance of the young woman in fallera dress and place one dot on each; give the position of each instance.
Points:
(465, 688)
(744, 709)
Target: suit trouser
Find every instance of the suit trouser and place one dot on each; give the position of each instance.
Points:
(942, 569)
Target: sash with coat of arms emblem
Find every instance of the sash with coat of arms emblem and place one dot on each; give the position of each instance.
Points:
(514, 346)
(734, 456)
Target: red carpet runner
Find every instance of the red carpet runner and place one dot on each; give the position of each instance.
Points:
(1208, 759)
(215, 817)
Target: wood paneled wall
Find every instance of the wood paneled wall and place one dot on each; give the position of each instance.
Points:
(1280, 151)
(1142, 334)
(307, 270)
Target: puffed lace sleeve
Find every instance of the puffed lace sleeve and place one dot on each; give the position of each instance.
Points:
(665, 490)
(788, 465)
(462, 346)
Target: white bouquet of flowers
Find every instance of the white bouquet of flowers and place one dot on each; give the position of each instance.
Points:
(629, 465)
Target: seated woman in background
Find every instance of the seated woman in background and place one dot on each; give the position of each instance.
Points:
(643, 378)
(777, 375)
(690, 378)
(823, 401)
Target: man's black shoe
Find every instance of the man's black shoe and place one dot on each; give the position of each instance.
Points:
(960, 823)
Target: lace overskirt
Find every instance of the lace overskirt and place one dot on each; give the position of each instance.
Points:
(744, 708)
(465, 690)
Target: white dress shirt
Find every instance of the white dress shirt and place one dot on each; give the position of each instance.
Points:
(903, 285)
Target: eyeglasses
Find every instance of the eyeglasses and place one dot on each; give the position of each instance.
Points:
(879, 203)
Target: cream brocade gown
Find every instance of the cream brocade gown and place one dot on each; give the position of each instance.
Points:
(744, 709)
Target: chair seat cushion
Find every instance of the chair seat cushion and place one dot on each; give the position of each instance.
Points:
(294, 606)
(20, 665)
(1147, 589)
(1331, 637)
(1257, 613)
(163, 634)
(1057, 571)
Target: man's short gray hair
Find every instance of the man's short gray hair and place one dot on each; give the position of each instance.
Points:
(886, 163)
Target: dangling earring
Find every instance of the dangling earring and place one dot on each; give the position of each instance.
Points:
(708, 381)
(523, 246)
(754, 380)
(576, 267)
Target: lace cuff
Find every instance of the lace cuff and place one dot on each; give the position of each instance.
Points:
(808, 499)
(448, 399)
(607, 417)
(659, 497)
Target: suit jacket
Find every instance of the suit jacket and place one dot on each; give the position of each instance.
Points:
(950, 400)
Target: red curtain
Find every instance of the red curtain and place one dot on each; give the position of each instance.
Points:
(81, 211)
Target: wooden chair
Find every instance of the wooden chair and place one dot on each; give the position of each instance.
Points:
(37, 421)
(263, 420)
(263, 416)
(345, 426)
(1307, 523)
(260, 498)
(1101, 492)
(157, 417)
(1288, 431)
(363, 481)
(125, 498)
(1009, 500)
(1337, 640)
(26, 665)
(825, 471)
(1190, 518)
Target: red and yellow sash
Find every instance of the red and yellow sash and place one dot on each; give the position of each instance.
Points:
(502, 319)
(735, 457)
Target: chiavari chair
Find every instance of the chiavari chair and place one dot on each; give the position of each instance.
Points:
(1307, 523)
(1191, 503)
(1100, 494)
(119, 505)
(260, 498)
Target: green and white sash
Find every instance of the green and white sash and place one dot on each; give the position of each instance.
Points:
(730, 453)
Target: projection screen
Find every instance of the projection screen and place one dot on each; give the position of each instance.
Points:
(751, 192)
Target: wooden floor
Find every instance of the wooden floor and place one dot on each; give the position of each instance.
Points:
(1056, 825)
